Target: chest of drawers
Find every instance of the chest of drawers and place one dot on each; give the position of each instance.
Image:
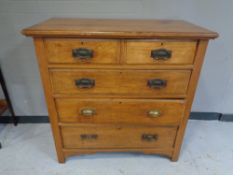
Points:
(119, 85)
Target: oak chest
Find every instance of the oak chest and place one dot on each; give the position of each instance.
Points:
(119, 85)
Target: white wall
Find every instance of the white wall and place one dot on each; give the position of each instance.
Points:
(18, 61)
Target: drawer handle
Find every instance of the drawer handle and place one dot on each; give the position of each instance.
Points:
(88, 112)
(161, 54)
(157, 83)
(150, 137)
(88, 136)
(83, 53)
(154, 113)
(85, 83)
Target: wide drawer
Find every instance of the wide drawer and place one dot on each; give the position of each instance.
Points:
(150, 83)
(157, 52)
(82, 51)
(107, 136)
(127, 111)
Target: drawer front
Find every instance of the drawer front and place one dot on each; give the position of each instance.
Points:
(152, 52)
(127, 111)
(126, 82)
(82, 51)
(102, 136)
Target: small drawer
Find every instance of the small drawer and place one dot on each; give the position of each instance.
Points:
(159, 52)
(111, 136)
(125, 111)
(149, 83)
(82, 51)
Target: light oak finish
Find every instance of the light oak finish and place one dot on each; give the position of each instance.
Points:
(125, 82)
(118, 28)
(122, 66)
(139, 52)
(39, 46)
(117, 136)
(121, 110)
(125, 111)
(202, 45)
(60, 51)
(159, 151)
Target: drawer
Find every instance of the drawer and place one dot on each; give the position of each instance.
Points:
(156, 52)
(150, 83)
(126, 111)
(82, 51)
(110, 136)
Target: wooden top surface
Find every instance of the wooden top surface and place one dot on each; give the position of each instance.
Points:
(116, 28)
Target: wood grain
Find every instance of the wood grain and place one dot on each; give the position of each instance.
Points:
(139, 52)
(127, 111)
(115, 82)
(117, 136)
(118, 28)
(60, 51)
(121, 67)
(191, 92)
(159, 151)
(39, 46)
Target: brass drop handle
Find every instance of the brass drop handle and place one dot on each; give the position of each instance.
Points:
(88, 136)
(161, 54)
(157, 83)
(82, 53)
(153, 113)
(150, 137)
(85, 83)
(88, 112)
